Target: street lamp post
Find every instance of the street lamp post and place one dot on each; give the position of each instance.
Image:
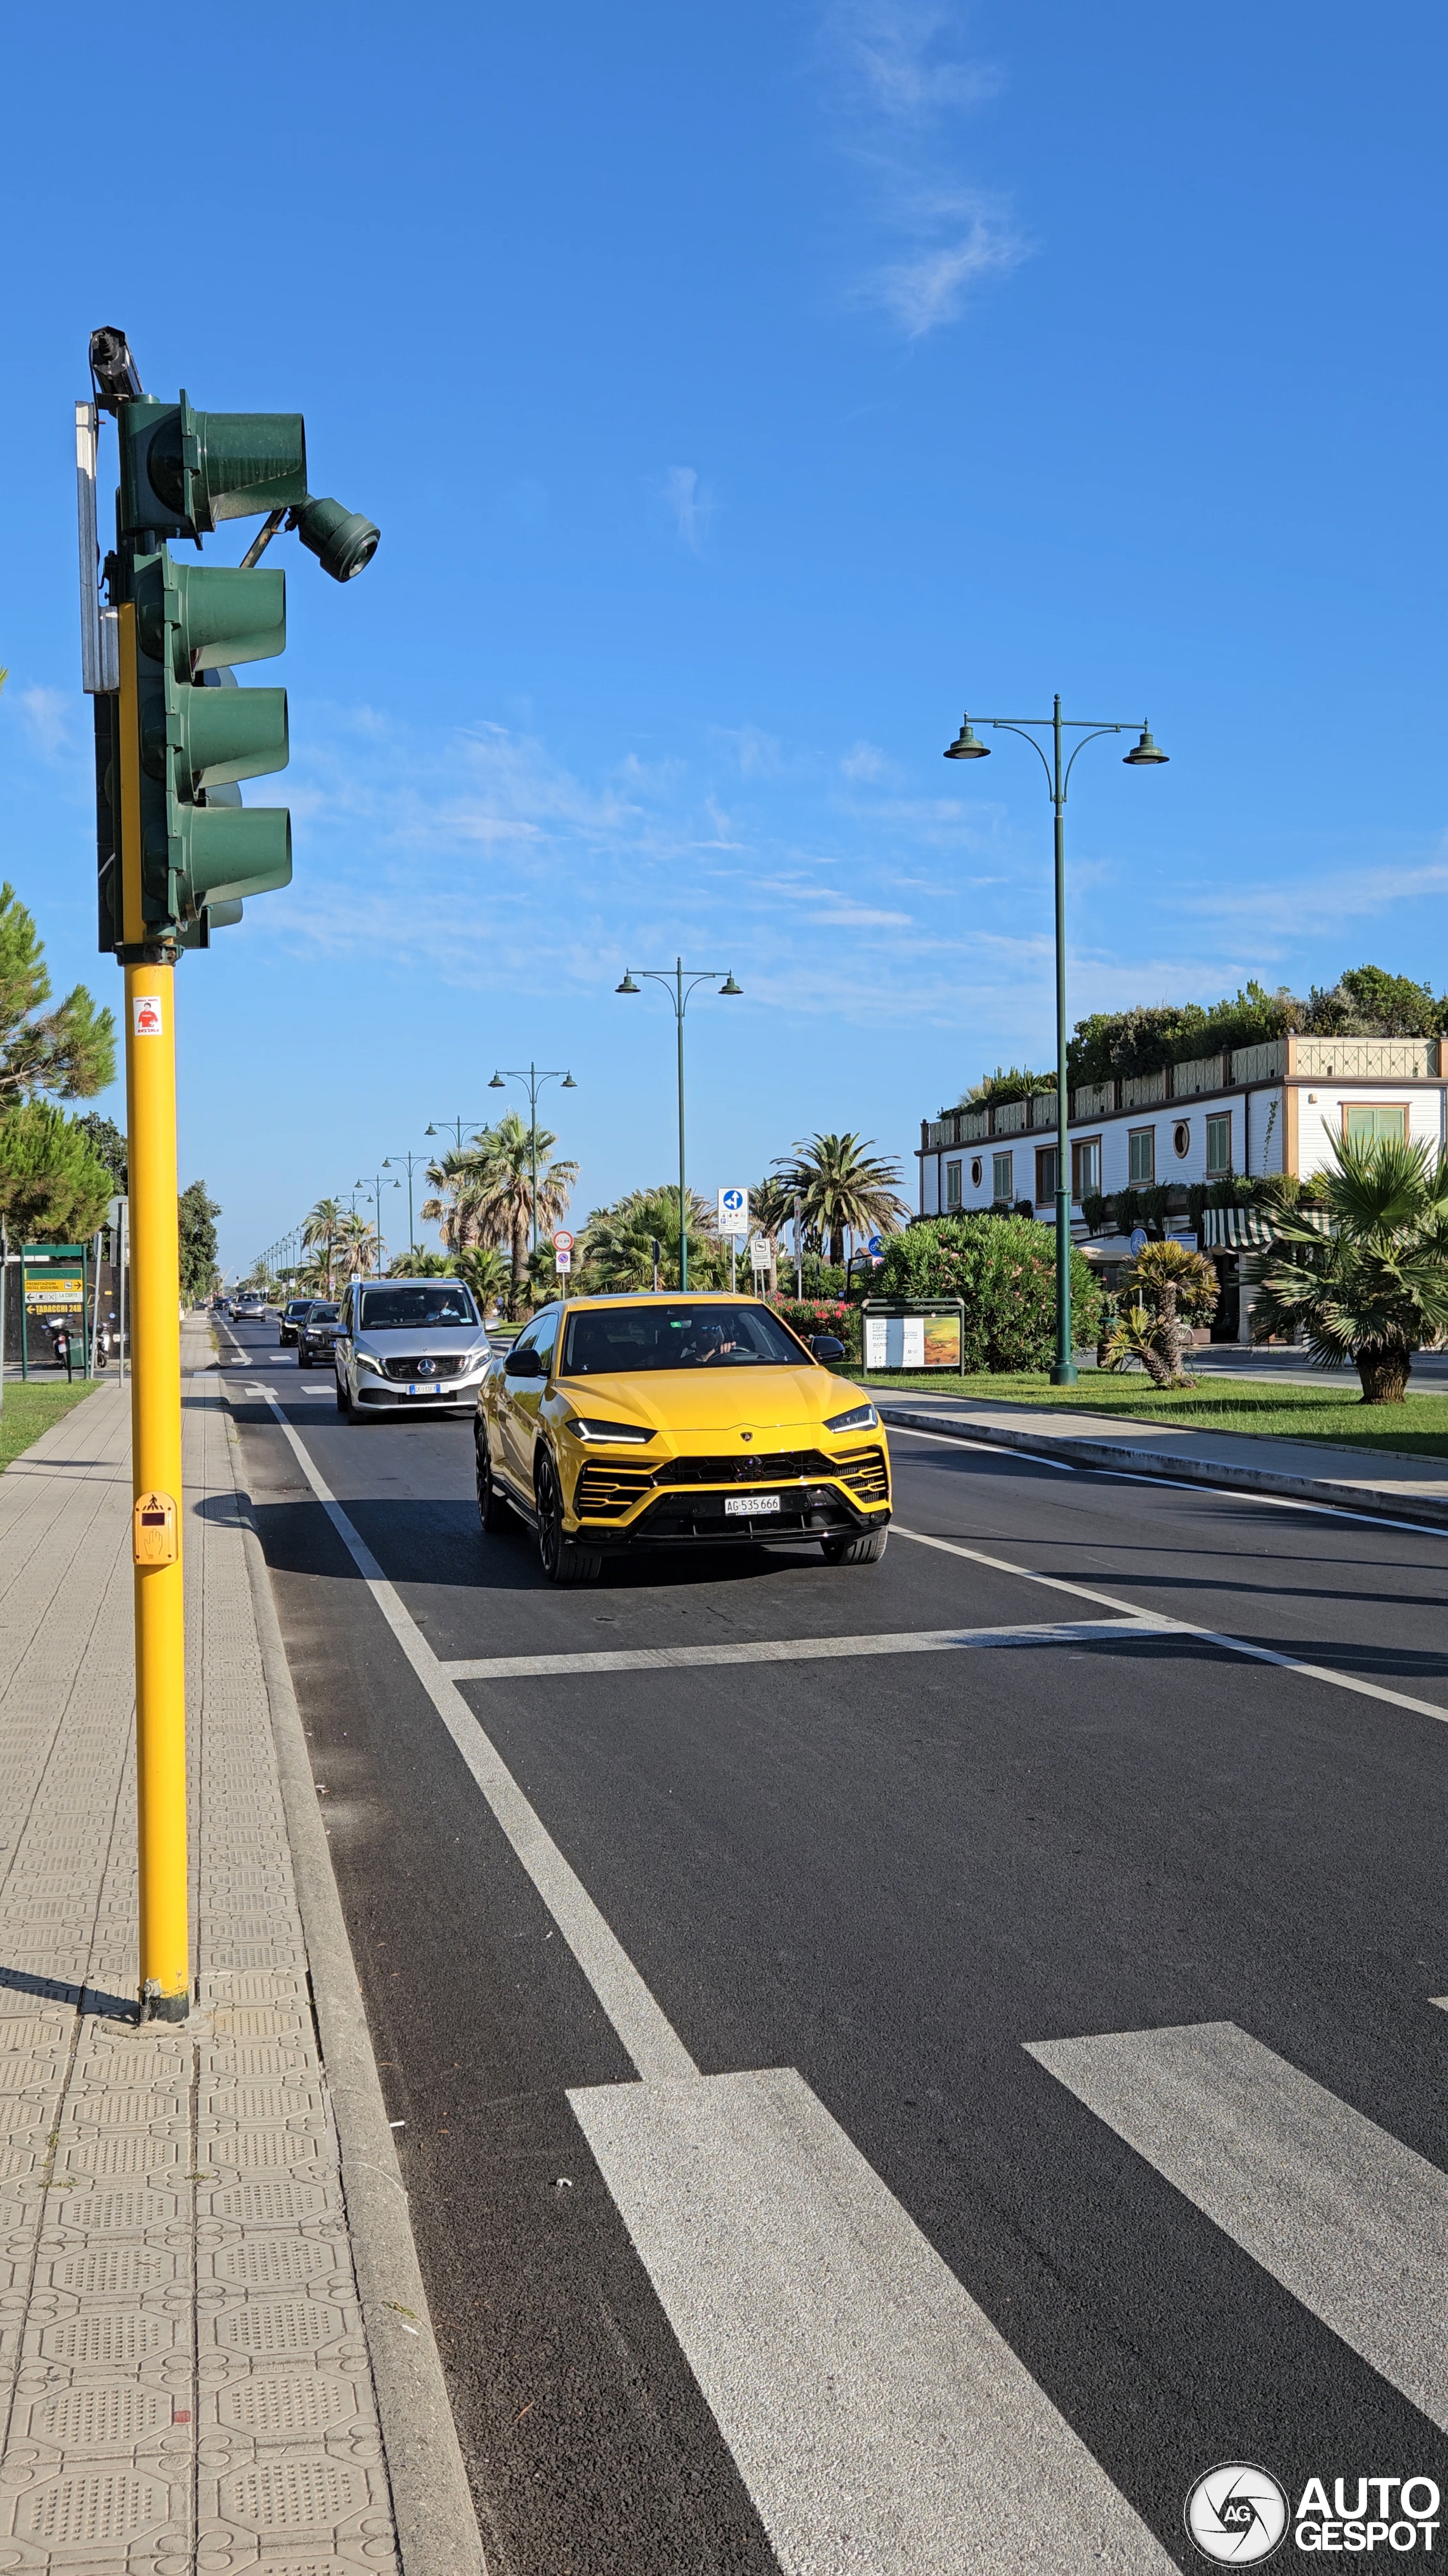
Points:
(1143, 755)
(414, 1162)
(377, 1185)
(535, 1076)
(674, 980)
(457, 1125)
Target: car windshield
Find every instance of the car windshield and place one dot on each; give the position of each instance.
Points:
(322, 1315)
(417, 1306)
(616, 1340)
(299, 1305)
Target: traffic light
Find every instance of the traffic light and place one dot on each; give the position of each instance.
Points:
(191, 624)
(183, 471)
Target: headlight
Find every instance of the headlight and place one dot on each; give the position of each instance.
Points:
(863, 1418)
(364, 1359)
(583, 1430)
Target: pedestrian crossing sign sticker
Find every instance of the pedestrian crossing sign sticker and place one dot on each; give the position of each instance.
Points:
(146, 1015)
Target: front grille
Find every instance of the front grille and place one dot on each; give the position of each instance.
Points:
(430, 1367)
(865, 1473)
(765, 1467)
(605, 1493)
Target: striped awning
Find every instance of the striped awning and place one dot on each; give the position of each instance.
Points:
(1251, 1229)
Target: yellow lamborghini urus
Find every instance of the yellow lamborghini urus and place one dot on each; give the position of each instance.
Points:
(617, 1422)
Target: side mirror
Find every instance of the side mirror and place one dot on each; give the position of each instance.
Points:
(526, 1364)
(826, 1346)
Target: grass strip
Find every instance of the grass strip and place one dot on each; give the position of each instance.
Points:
(31, 1408)
(1417, 1428)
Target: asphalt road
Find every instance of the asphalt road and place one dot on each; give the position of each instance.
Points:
(877, 2271)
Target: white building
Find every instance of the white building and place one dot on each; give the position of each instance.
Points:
(1247, 1110)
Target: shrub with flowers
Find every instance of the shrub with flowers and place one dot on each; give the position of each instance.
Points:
(807, 1315)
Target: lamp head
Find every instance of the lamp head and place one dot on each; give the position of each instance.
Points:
(568, 1083)
(967, 744)
(497, 1083)
(1145, 754)
(730, 987)
(343, 543)
(628, 985)
(429, 1131)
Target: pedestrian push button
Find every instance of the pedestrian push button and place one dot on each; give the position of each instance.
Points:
(154, 1530)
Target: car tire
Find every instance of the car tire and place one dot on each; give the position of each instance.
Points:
(303, 1357)
(867, 1549)
(343, 1407)
(494, 1510)
(562, 1562)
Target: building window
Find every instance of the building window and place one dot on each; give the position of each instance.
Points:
(975, 1173)
(1364, 1121)
(1219, 1143)
(1086, 1168)
(1141, 1144)
(1001, 1183)
(1181, 1139)
(952, 1185)
(1045, 1175)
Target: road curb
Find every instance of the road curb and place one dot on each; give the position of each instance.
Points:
(1372, 1503)
(437, 2528)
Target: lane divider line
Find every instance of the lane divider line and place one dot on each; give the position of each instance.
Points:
(800, 1650)
(1185, 1628)
(644, 2030)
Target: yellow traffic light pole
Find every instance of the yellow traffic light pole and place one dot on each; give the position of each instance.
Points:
(165, 1945)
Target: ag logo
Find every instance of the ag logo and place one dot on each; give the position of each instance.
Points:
(1237, 2514)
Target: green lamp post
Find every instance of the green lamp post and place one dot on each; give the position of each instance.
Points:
(534, 1076)
(679, 982)
(1143, 755)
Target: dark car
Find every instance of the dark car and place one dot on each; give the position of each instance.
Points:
(292, 1315)
(316, 1333)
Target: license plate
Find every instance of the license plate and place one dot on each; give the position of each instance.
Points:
(424, 1390)
(744, 1506)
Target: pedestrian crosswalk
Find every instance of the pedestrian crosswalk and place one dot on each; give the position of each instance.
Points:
(1352, 2222)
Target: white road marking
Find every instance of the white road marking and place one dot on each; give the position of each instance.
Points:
(1348, 2219)
(1174, 1484)
(1184, 1627)
(882, 2425)
(649, 2037)
(880, 2422)
(801, 1650)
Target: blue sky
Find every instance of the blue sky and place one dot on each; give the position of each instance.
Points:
(740, 394)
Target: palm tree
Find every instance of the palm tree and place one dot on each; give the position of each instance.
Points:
(358, 1245)
(495, 1200)
(1374, 1289)
(322, 1233)
(486, 1273)
(1166, 1283)
(617, 1248)
(840, 1182)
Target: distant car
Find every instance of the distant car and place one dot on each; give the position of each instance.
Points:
(250, 1309)
(316, 1334)
(409, 1346)
(291, 1317)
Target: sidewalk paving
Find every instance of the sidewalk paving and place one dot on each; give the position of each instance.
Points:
(1349, 1479)
(187, 2377)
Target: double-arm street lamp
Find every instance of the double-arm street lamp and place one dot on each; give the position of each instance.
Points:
(534, 1076)
(457, 1125)
(1144, 755)
(414, 1163)
(679, 982)
(377, 1185)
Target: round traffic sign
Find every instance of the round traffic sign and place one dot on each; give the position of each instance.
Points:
(563, 1240)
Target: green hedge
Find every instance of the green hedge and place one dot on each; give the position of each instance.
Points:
(1004, 1270)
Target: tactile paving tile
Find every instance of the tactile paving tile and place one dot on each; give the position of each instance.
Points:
(136, 2230)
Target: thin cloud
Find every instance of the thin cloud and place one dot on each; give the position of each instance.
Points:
(897, 55)
(689, 505)
(46, 715)
(930, 289)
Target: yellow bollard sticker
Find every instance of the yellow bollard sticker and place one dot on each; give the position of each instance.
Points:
(154, 1530)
